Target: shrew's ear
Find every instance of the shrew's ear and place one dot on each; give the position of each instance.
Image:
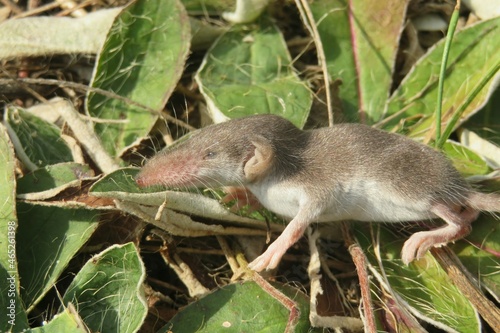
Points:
(260, 160)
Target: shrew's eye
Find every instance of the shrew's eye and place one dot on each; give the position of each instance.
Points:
(210, 154)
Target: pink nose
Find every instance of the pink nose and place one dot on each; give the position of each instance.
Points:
(143, 180)
(140, 181)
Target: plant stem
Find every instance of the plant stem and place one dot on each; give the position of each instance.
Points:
(458, 113)
(442, 73)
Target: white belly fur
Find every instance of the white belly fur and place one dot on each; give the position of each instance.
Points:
(361, 201)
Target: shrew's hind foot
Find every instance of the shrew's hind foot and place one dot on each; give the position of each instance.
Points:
(458, 219)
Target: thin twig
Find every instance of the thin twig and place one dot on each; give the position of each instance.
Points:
(228, 252)
(463, 281)
(286, 301)
(83, 87)
(74, 9)
(359, 259)
(37, 11)
(309, 22)
(15, 8)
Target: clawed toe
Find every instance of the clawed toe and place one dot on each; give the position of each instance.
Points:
(259, 264)
(415, 248)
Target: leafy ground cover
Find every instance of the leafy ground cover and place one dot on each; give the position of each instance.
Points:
(87, 93)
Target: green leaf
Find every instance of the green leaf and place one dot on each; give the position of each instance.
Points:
(240, 308)
(203, 34)
(249, 71)
(47, 35)
(210, 7)
(142, 59)
(121, 180)
(13, 314)
(67, 322)
(464, 160)
(47, 239)
(425, 287)
(108, 292)
(37, 142)
(480, 253)
(361, 39)
(52, 179)
(473, 54)
(121, 185)
(486, 123)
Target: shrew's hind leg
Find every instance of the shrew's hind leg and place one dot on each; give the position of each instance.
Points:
(458, 219)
